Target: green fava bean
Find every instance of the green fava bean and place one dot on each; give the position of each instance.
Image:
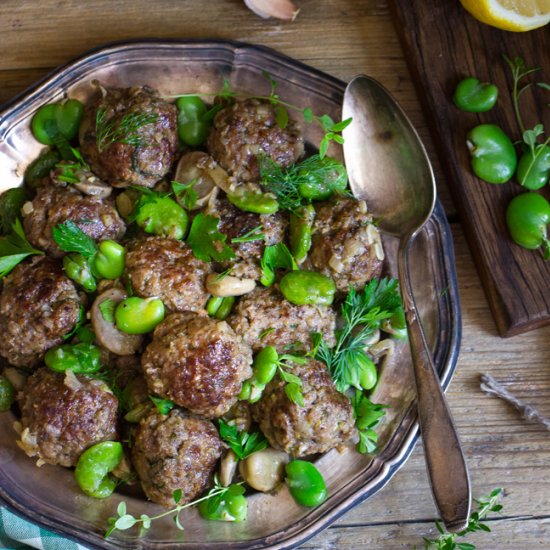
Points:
(82, 358)
(225, 307)
(109, 260)
(41, 167)
(79, 269)
(11, 202)
(231, 507)
(7, 394)
(494, 158)
(213, 305)
(93, 468)
(250, 201)
(527, 217)
(192, 126)
(139, 315)
(57, 119)
(306, 483)
(162, 216)
(265, 365)
(244, 394)
(301, 223)
(322, 180)
(476, 97)
(368, 375)
(308, 287)
(534, 168)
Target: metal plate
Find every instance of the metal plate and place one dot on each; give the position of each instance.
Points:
(48, 495)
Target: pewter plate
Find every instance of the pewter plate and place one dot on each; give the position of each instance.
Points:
(48, 495)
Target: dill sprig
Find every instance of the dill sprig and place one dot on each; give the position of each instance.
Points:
(362, 314)
(123, 129)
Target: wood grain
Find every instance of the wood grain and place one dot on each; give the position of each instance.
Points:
(343, 38)
(445, 44)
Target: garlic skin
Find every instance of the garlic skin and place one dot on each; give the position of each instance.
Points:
(280, 9)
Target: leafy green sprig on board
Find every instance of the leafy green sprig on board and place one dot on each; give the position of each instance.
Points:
(447, 541)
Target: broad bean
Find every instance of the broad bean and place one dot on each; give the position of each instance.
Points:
(82, 358)
(306, 483)
(231, 507)
(308, 287)
(109, 260)
(534, 168)
(301, 223)
(79, 269)
(252, 201)
(7, 394)
(137, 315)
(476, 97)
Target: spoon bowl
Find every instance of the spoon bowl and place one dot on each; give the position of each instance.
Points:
(389, 168)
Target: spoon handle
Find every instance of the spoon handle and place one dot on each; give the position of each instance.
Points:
(445, 461)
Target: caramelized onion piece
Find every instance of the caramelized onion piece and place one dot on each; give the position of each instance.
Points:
(280, 9)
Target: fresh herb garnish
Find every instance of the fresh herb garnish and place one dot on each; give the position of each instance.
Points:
(274, 257)
(107, 309)
(362, 313)
(164, 406)
(121, 129)
(185, 194)
(69, 169)
(70, 238)
(14, 248)
(293, 383)
(367, 416)
(446, 541)
(125, 521)
(206, 242)
(241, 442)
(252, 235)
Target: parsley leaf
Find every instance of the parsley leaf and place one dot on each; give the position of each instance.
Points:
(242, 443)
(185, 194)
(14, 248)
(367, 416)
(276, 256)
(164, 406)
(206, 242)
(70, 238)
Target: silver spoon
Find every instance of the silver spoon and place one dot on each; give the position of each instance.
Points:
(389, 168)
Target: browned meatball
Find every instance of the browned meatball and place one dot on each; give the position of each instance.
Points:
(323, 423)
(167, 269)
(264, 318)
(175, 451)
(346, 244)
(63, 415)
(53, 205)
(122, 155)
(197, 362)
(38, 306)
(246, 128)
(235, 223)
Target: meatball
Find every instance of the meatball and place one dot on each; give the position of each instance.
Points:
(197, 362)
(246, 128)
(129, 136)
(39, 305)
(167, 269)
(235, 223)
(324, 421)
(346, 245)
(63, 415)
(264, 318)
(53, 205)
(175, 451)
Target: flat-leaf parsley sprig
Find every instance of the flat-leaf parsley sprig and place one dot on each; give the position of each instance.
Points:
(446, 541)
(14, 248)
(362, 314)
(367, 416)
(242, 443)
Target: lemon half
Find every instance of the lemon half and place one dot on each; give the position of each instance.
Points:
(510, 15)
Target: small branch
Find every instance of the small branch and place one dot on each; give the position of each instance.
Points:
(491, 387)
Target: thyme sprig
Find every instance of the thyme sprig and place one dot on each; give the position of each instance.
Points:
(125, 521)
(123, 129)
(447, 541)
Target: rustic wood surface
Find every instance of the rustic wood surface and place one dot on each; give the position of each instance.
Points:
(440, 56)
(345, 37)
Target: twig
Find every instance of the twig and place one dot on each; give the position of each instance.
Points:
(491, 387)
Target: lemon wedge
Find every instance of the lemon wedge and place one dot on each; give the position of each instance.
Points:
(510, 15)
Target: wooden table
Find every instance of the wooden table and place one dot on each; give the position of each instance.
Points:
(343, 38)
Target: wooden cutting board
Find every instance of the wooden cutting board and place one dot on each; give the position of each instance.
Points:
(444, 44)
